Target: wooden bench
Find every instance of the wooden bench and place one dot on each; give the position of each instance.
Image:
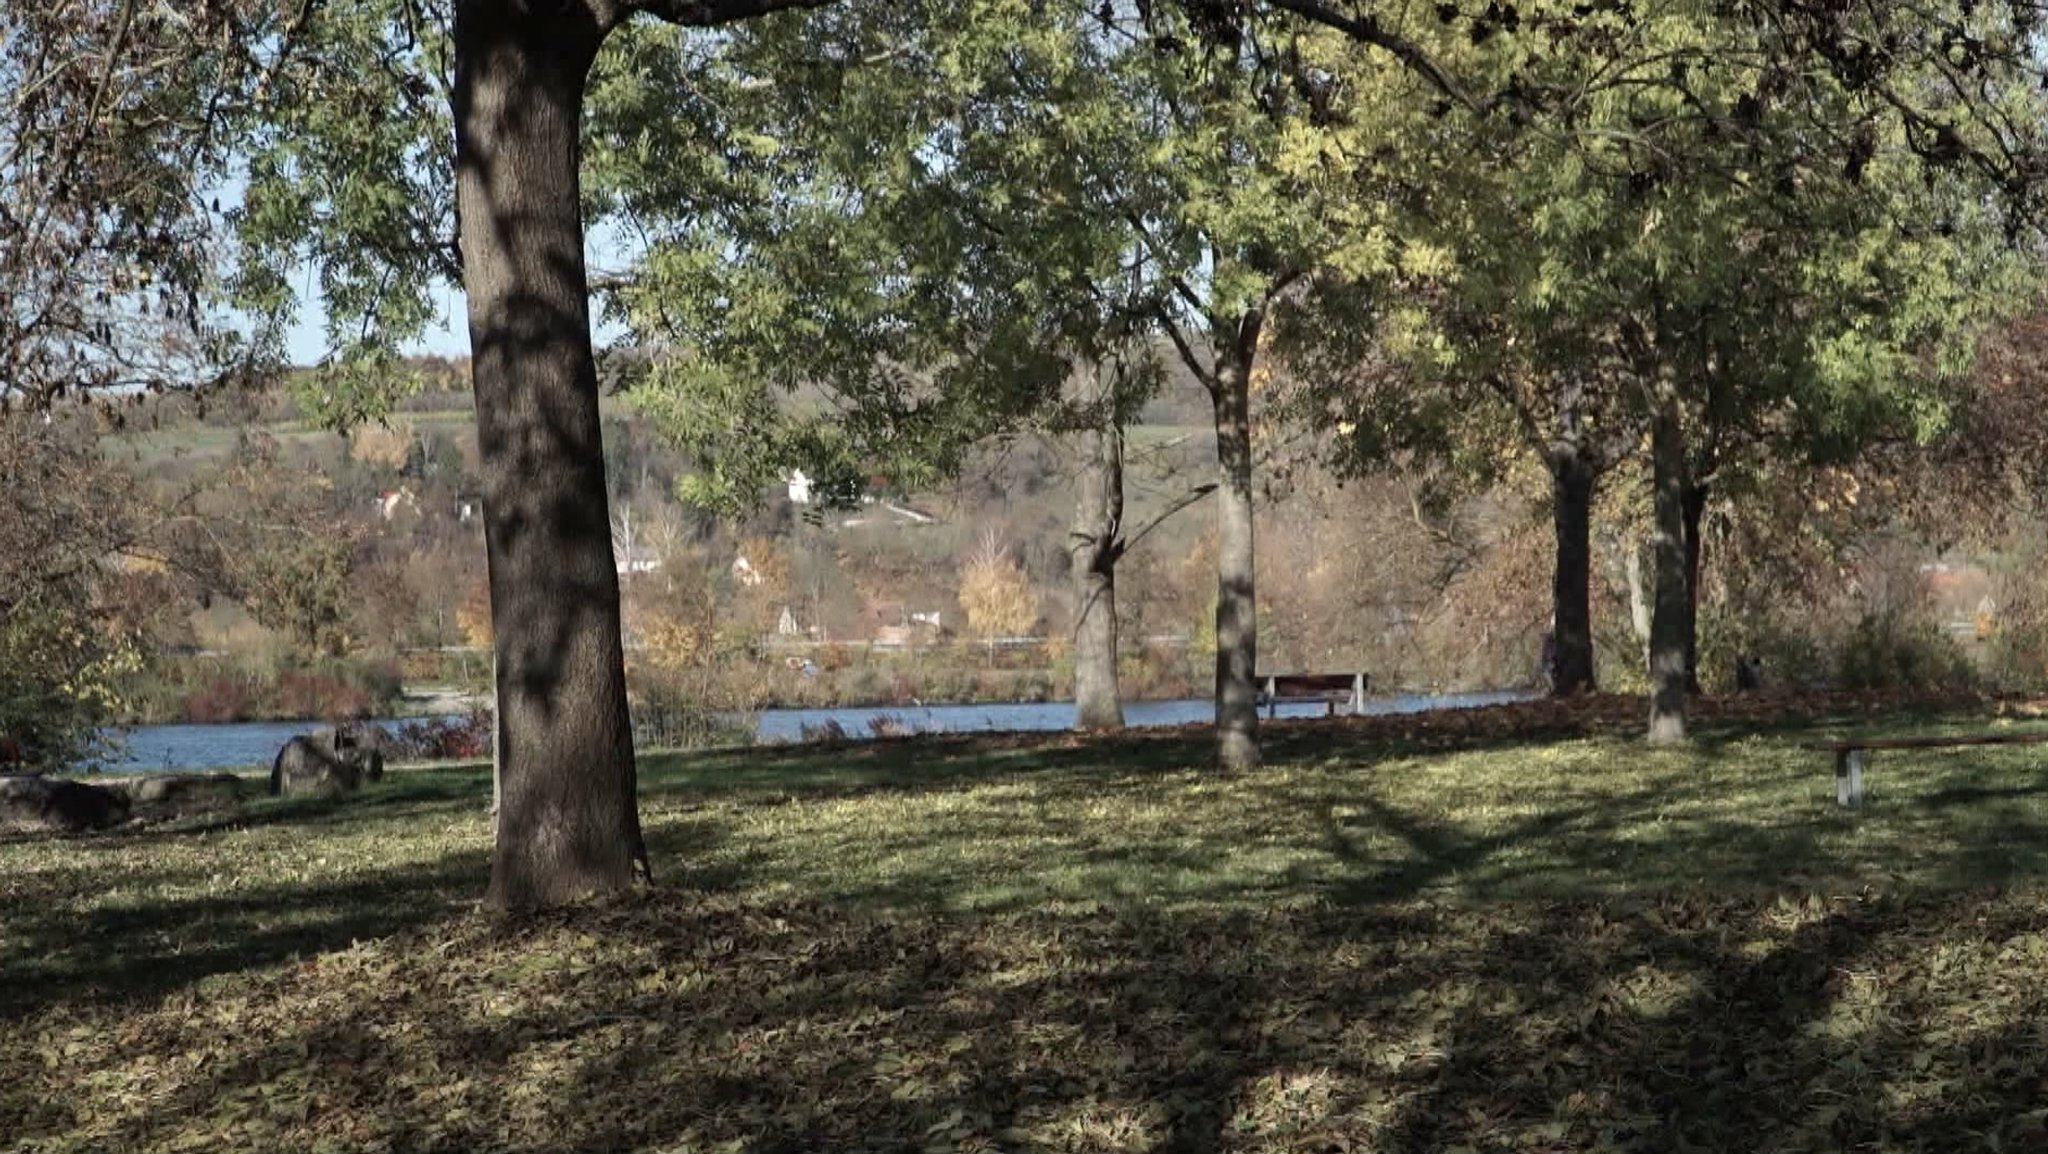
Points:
(1849, 753)
(1331, 689)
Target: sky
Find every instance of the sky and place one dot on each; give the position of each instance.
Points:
(306, 344)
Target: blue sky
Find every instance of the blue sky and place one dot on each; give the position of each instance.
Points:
(606, 248)
(307, 342)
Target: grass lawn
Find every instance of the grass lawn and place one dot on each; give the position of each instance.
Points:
(1056, 944)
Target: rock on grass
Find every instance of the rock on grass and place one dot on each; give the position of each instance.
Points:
(32, 804)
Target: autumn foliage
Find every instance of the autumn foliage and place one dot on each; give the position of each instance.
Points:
(995, 593)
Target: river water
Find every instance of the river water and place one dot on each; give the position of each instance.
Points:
(159, 748)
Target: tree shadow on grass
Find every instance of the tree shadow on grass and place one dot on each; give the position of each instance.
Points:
(962, 825)
(56, 953)
(922, 763)
(693, 1022)
(1562, 1002)
(58, 950)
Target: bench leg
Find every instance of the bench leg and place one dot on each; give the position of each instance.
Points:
(1849, 777)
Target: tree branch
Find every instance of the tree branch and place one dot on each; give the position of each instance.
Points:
(1205, 373)
(1368, 30)
(1190, 497)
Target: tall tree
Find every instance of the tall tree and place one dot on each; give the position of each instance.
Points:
(1727, 236)
(957, 288)
(568, 820)
(1095, 545)
(1060, 178)
(346, 170)
(1259, 188)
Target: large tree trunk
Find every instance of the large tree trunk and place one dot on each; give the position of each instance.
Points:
(1669, 617)
(1695, 502)
(1095, 545)
(1572, 480)
(1237, 626)
(567, 823)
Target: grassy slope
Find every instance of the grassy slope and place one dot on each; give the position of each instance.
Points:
(977, 944)
(198, 443)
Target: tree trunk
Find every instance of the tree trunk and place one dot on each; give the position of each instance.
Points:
(1095, 545)
(567, 823)
(1669, 617)
(1237, 626)
(1695, 509)
(1638, 600)
(497, 747)
(1572, 480)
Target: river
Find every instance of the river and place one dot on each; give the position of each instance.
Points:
(160, 748)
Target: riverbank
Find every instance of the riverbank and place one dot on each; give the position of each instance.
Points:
(1417, 717)
(166, 748)
(224, 688)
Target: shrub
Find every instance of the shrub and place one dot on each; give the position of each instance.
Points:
(1889, 651)
(995, 592)
(1792, 657)
(826, 730)
(2019, 654)
(903, 687)
(889, 725)
(320, 695)
(675, 726)
(465, 738)
(222, 699)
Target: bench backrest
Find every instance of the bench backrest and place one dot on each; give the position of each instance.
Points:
(1315, 686)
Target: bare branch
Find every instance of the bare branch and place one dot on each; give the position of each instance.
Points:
(1204, 371)
(1186, 499)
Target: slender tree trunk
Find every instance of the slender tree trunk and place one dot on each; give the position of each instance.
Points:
(1638, 600)
(1669, 619)
(1572, 481)
(1695, 509)
(1237, 625)
(567, 823)
(1095, 545)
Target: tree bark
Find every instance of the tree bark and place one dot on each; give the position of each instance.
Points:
(1237, 625)
(1095, 546)
(1572, 481)
(1668, 621)
(1695, 510)
(497, 747)
(568, 826)
(1638, 600)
